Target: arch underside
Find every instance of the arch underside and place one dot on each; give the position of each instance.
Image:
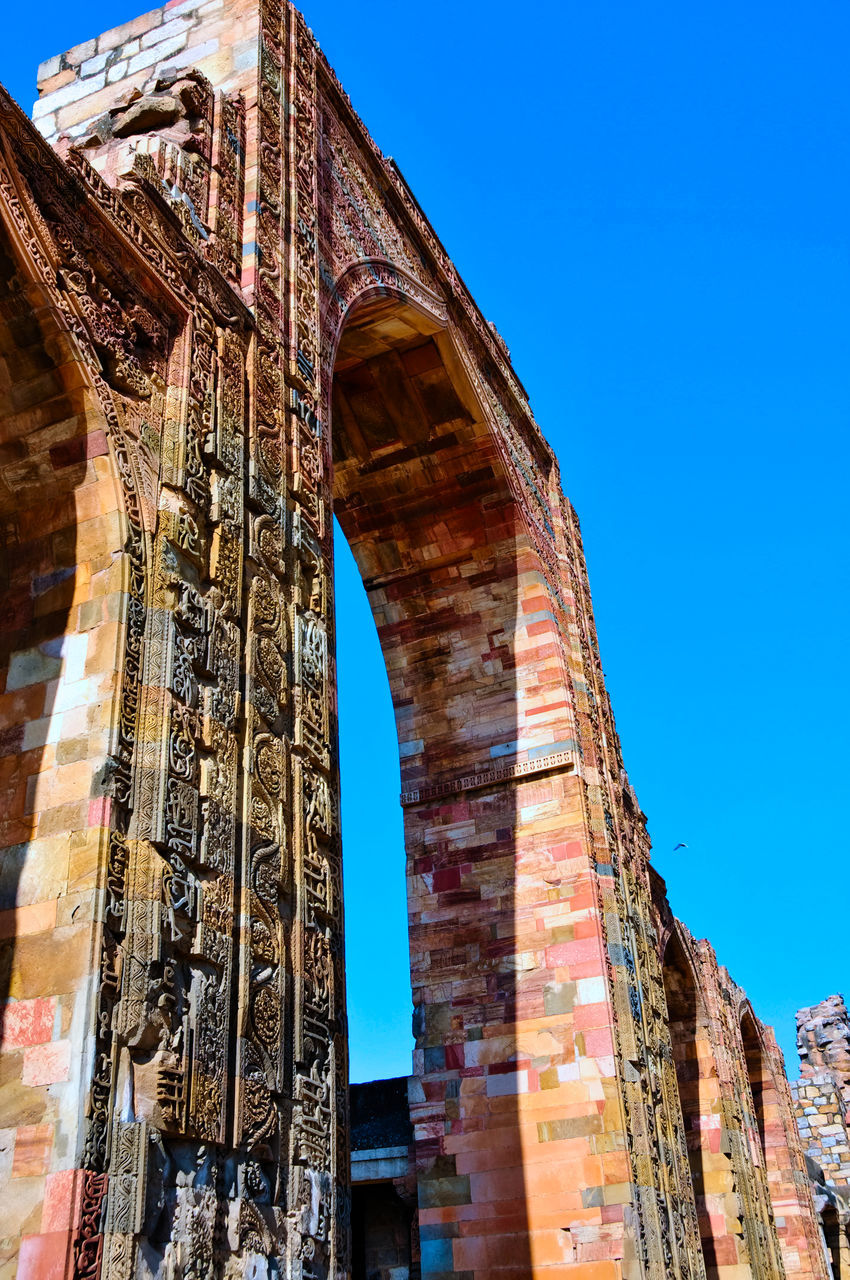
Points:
(421, 495)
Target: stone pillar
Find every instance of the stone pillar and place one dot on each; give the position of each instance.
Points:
(823, 1042)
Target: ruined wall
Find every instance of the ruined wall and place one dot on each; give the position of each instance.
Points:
(821, 1101)
(276, 333)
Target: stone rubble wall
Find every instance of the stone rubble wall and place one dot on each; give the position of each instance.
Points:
(822, 1121)
(822, 1093)
(77, 87)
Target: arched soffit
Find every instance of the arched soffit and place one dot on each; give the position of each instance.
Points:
(362, 282)
(366, 285)
(418, 384)
(359, 285)
(680, 969)
(676, 936)
(752, 1033)
(65, 335)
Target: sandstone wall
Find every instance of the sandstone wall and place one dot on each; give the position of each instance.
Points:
(64, 578)
(211, 160)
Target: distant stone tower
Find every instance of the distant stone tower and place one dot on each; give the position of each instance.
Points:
(823, 1042)
(822, 1103)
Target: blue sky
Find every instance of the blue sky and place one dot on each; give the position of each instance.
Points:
(651, 203)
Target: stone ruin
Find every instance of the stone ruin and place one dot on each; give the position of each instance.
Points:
(224, 318)
(822, 1105)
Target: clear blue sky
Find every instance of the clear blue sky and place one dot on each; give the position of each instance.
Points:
(651, 203)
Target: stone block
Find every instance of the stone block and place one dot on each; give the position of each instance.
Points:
(564, 1130)
(52, 83)
(92, 65)
(128, 31)
(32, 666)
(69, 93)
(174, 27)
(20, 1203)
(62, 1195)
(559, 997)
(44, 1257)
(441, 1192)
(47, 1063)
(74, 57)
(29, 1022)
(50, 67)
(50, 963)
(33, 1145)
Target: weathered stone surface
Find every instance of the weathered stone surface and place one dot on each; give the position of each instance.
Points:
(223, 319)
(822, 1104)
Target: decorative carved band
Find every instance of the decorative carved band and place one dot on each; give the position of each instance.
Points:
(563, 761)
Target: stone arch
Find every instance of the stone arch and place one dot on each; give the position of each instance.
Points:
(545, 1134)
(699, 1088)
(72, 561)
(762, 1086)
(501, 1018)
(422, 495)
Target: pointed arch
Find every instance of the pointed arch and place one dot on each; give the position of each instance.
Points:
(762, 1088)
(699, 1088)
(73, 566)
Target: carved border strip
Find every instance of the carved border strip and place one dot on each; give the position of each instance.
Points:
(562, 761)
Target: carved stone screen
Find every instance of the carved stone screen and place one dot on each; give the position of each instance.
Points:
(223, 318)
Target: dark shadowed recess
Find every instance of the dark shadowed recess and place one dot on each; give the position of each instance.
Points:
(42, 461)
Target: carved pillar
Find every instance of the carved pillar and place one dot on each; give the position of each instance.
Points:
(291, 522)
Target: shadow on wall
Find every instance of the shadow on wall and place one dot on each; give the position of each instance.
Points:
(758, 1075)
(43, 459)
(422, 499)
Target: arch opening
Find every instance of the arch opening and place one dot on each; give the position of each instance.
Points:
(759, 1078)
(699, 1096)
(422, 498)
(380, 1038)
